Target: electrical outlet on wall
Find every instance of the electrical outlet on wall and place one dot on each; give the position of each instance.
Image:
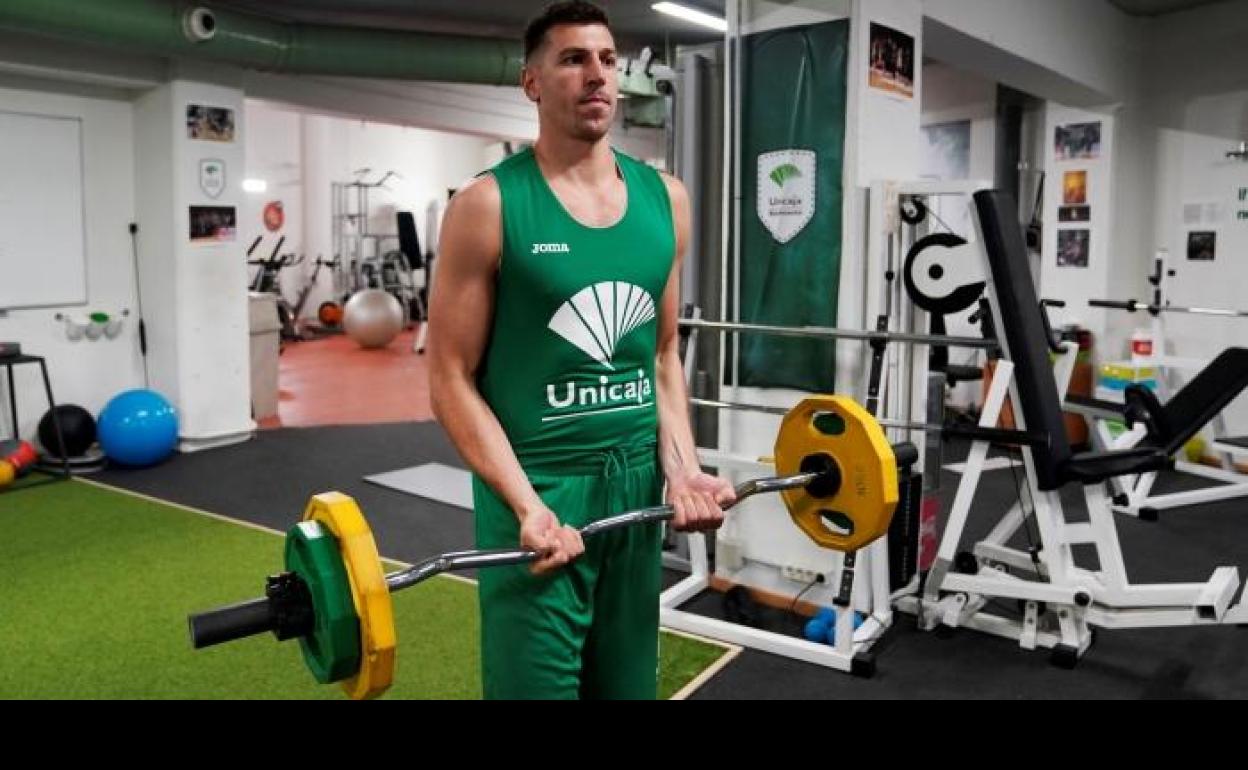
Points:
(802, 575)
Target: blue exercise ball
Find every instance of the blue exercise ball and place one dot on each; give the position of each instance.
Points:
(138, 428)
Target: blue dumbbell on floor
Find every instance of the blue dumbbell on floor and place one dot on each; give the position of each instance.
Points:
(822, 627)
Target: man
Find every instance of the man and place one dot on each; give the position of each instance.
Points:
(554, 369)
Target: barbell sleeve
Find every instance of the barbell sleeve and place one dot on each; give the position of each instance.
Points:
(1117, 304)
(286, 609)
(225, 624)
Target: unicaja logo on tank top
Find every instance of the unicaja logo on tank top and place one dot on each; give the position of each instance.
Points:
(595, 320)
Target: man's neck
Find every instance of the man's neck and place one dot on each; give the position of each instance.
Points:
(584, 163)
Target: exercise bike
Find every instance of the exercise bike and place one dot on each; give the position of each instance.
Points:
(267, 281)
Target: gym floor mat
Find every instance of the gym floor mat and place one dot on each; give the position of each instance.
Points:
(435, 481)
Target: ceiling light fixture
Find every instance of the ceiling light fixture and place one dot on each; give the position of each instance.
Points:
(692, 15)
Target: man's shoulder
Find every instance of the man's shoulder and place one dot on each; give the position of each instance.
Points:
(518, 161)
(479, 196)
(675, 188)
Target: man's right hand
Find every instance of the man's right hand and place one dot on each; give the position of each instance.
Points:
(557, 544)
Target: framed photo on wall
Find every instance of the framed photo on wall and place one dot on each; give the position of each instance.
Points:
(1072, 248)
(891, 64)
(1202, 245)
(213, 224)
(1075, 188)
(1078, 141)
(1074, 214)
(209, 124)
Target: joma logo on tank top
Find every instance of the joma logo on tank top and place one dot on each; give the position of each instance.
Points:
(595, 320)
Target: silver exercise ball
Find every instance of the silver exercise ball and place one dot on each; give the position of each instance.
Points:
(373, 318)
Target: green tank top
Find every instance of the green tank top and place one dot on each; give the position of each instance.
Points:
(569, 366)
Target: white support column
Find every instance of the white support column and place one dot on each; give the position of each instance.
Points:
(194, 290)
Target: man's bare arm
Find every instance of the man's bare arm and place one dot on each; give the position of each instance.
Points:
(460, 316)
(696, 496)
(676, 446)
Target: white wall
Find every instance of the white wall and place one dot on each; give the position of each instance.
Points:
(951, 95)
(85, 372)
(428, 161)
(1193, 171)
(1083, 52)
(300, 155)
(274, 150)
(1195, 111)
(495, 112)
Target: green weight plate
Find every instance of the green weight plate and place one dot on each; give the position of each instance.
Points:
(332, 650)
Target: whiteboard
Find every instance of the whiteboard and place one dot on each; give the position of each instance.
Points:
(42, 239)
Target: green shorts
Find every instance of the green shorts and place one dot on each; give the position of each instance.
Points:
(590, 629)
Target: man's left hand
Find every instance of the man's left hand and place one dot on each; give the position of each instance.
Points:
(699, 500)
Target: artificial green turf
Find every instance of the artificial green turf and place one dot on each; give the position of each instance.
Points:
(96, 586)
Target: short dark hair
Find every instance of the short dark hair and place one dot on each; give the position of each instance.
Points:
(570, 12)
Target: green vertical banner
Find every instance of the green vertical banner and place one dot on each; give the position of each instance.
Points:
(793, 94)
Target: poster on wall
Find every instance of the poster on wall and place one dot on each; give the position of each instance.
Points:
(1076, 141)
(947, 151)
(274, 216)
(1074, 214)
(213, 224)
(209, 124)
(891, 66)
(1202, 245)
(1075, 188)
(1072, 248)
(1241, 204)
(212, 177)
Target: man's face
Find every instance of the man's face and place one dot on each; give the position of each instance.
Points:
(573, 80)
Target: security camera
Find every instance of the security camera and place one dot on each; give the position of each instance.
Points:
(199, 25)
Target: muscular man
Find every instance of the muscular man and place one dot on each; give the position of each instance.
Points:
(554, 369)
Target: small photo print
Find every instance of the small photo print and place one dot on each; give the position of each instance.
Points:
(1078, 141)
(1202, 245)
(1075, 188)
(891, 67)
(1072, 248)
(213, 224)
(209, 124)
(1074, 214)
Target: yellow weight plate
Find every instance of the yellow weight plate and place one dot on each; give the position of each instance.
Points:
(862, 506)
(343, 518)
